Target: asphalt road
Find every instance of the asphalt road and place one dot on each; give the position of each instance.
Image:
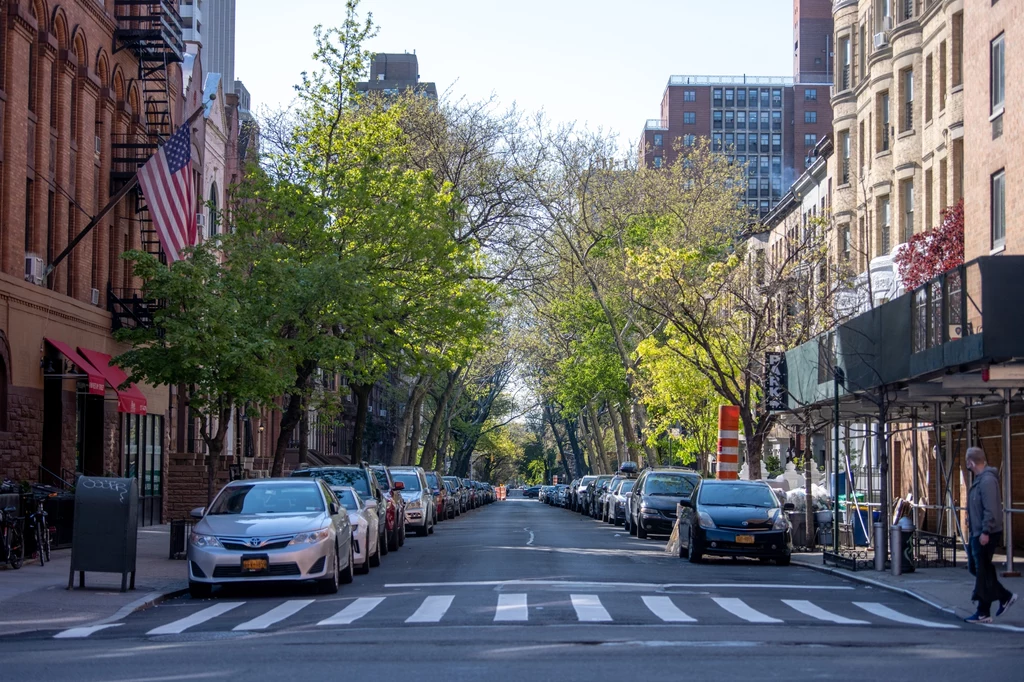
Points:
(519, 588)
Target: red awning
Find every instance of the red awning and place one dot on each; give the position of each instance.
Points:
(97, 385)
(129, 399)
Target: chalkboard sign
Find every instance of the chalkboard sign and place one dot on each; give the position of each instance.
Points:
(106, 528)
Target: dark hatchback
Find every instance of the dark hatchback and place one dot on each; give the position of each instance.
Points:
(652, 506)
(735, 518)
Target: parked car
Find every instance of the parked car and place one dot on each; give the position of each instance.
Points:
(462, 492)
(652, 506)
(615, 510)
(396, 505)
(419, 501)
(365, 532)
(532, 491)
(366, 484)
(441, 501)
(594, 489)
(270, 529)
(453, 497)
(579, 498)
(474, 497)
(735, 518)
(570, 495)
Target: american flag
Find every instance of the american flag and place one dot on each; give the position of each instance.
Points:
(166, 182)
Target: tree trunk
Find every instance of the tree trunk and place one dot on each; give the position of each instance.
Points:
(303, 433)
(641, 429)
(417, 422)
(399, 453)
(215, 449)
(595, 426)
(291, 414)
(362, 394)
(754, 433)
(430, 446)
(591, 448)
(574, 443)
(633, 449)
(559, 441)
(617, 431)
(443, 450)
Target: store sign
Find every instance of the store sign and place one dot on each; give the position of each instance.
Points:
(776, 382)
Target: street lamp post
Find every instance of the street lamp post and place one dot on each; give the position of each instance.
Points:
(838, 379)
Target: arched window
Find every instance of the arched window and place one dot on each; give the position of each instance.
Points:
(214, 218)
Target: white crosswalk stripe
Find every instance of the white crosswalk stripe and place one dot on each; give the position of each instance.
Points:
(739, 608)
(664, 608)
(197, 618)
(84, 631)
(883, 611)
(275, 615)
(814, 611)
(511, 608)
(353, 612)
(432, 609)
(589, 609)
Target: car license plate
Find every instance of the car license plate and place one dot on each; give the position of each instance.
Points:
(252, 564)
(744, 539)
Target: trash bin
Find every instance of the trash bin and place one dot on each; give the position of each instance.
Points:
(179, 539)
(901, 546)
(798, 521)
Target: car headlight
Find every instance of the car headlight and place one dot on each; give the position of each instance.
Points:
(781, 522)
(203, 540)
(415, 504)
(311, 537)
(704, 519)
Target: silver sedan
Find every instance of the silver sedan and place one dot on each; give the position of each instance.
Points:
(365, 533)
(271, 530)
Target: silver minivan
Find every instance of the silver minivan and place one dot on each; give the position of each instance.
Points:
(420, 506)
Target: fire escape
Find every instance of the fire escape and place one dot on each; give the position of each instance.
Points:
(152, 31)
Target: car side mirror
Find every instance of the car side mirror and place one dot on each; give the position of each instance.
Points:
(371, 504)
(789, 506)
(399, 485)
(334, 508)
(686, 503)
(197, 513)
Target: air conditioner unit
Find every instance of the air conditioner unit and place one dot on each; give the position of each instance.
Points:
(34, 269)
(887, 23)
(881, 40)
(200, 220)
(383, 412)
(94, 297)
(97, 145)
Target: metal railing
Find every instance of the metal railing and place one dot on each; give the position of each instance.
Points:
(656, 124)
(730, 80)
(947, 308)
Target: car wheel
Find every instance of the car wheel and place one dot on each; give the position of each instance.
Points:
(641, 532)
(695, 555)
(783, 560)
(393, 543)
(632, 526)
(382, 542)
(424, 530)
(348, 575)
(329, 585)
(401, 535)
(375, 557)
(430, 528)
(200, 590)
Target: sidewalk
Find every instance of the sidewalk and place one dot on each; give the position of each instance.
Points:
(35, 597)
(948, 589)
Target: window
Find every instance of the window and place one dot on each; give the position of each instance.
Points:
(810, 139)
(657, 162)
(730, 97)
(741, 142)
(658, 140)
(752, 186)
(929, 195)
(3, 394)
(776, 142)
(689, 117)
(214, 214)
(883, 122)
(716, 95)
(776, 120)
(689, 95)
(844, 146)
(845, 242)
(885, 226)
(752, 166)
(764, 165)
(860, 147)
(764, 98)
(844, 64)
(764, 142)
(998, 209)
(764, 120)
(730, 141)
(741, 97)
(29, 246)
(689, 140)
(753, 97)
(32, 77)
(907, 83)
(716, 120)
(928, 89)
(777, 166)
(908, 10)
(862, 53)
(958, 49)
(741, 119)
(716, 142)
(776, 98)
(997, 67)
(907, 197)
(730, 120)
(942, 75)
(810, 117)
(810, 95)
(776, 187)
(943, 179)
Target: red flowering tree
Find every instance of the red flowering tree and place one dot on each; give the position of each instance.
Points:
(929, 254)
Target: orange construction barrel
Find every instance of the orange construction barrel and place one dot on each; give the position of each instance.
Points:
(729, 441)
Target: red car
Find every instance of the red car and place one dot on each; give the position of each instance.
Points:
(395, 515)
(437, 486)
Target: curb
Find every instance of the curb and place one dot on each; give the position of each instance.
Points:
(880, 585)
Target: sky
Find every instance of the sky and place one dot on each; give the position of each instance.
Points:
(600, 62)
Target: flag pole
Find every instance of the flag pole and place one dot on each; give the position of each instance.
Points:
(120, 194)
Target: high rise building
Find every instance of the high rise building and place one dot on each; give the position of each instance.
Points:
(769, 124)
(393, 73)
(210, 24)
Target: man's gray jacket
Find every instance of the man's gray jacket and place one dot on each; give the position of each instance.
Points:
(984, 509)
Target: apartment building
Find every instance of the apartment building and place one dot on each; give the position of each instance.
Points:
(898, 118)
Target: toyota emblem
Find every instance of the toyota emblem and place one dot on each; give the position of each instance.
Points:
(745, 523)
(255, 542)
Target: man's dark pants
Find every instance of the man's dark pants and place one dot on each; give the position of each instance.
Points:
(987, 587)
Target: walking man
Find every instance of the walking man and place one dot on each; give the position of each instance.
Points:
(985, 521)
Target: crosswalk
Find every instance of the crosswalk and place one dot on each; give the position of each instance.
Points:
(505, 608)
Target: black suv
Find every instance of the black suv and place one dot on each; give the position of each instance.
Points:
(365, 483)
(652, 507)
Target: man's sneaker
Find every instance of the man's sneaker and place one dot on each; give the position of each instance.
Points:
(978, 618)
(1005, 605)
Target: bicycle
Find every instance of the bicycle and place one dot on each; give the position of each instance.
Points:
(41, 532)
(13, 544)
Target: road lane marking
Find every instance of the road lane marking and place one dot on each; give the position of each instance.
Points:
(529, 543)
(432, 609)
(598, 585)
(85, 631)
(814, 611)
(883, 611)
(589, 609)
(274, 615)
(664, 608)
(738, 607)
(197, 618)
(511, 607)
(353, 612)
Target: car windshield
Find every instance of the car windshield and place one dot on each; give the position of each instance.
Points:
(626, 487)
(355, 478)
(347, 499)
(673, 485)
(279, 498)
(454, 481)
(411, 481)
(382, 479)
(737, 495)
(432, 481)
